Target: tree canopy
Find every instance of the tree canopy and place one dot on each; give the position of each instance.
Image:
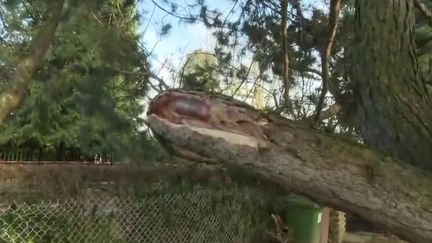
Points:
(200, 72)
(88, 91)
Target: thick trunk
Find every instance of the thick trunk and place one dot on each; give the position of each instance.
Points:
(331, 170)
(12, 96)
(394, 107)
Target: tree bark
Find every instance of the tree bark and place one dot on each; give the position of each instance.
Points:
(395, 109)
(11, 98)
(333, 171)
(325, 56)
(284, 40)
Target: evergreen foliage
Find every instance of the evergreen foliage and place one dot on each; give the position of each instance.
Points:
(200, 72)
(87, 97)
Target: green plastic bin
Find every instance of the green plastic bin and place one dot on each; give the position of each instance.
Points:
(303, 217)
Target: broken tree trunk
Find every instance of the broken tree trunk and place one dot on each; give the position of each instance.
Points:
(331, 170)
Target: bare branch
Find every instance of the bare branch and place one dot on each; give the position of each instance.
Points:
(284, 40)
(154, 87)
(173, 14)
(246, 76)
(160, 80)
(333, 21)
(326, 114)
(150, 19)
(272, 8)
(424, 10)
(311, 70)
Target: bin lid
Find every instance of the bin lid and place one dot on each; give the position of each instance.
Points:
(301, 201)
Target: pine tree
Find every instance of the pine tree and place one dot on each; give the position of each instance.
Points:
(87, 94)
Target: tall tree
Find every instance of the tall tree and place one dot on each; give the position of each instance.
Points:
(87, 94)
(393, 101)
(199, 72)
(12, 96)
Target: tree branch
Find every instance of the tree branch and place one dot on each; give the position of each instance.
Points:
(186, 18)
(424, 10)
(325, 55)
(246, 76)
(331, 111)
(316, 72)
(12, 97)
(160, 80)
(333, 171)
(284, 40)
(325, 114)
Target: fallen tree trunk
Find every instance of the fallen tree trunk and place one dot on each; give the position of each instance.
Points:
(331, 170)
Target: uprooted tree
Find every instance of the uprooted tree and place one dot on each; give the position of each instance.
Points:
(381, 180)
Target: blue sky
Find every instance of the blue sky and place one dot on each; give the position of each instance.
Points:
(182, 38)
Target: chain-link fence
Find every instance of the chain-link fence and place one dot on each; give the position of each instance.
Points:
(197, 216)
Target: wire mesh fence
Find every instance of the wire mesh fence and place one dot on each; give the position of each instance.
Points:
(198, 216)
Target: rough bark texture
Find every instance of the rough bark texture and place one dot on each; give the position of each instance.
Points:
(12, 96)
(331, 170)
(394, 107)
